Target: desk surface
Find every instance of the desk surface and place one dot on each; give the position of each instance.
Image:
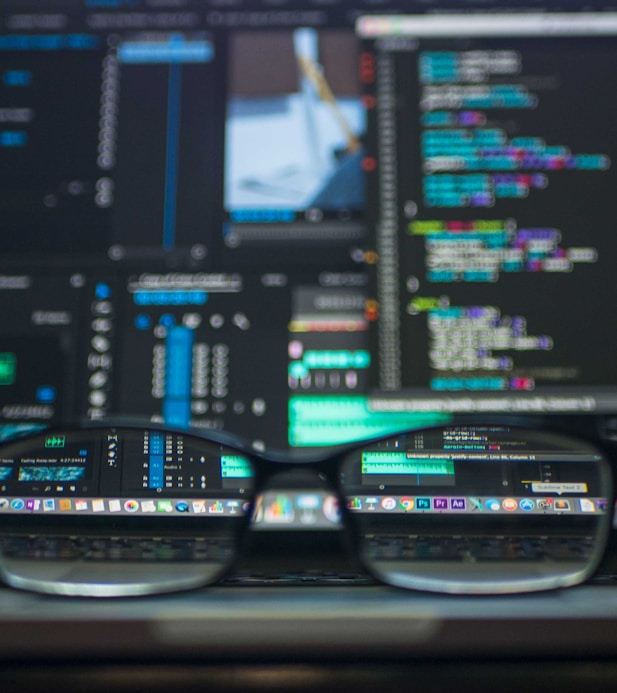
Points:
(321, 623)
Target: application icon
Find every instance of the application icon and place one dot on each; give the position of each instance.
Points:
(407, 504)
(492, 504)
(388, 503)
(423, 503)
(216, 508)
(278, 509)
(545, 503)
(18, 504)
(371, 503)
(148, 506)
(331, 509)
(561, 505)
(98, 505)
(526, 504)
(587, 505)
(308, 501)
(308, 517)
(257, 509)
(182, 507)
(49, 504)
(165, 506)
(475, 503)
(440, 503)
(81, 504)
(30, 504)
(458, 504)
(115, 505)
(199, 507)
(509, 504)
(4, 503)
(65, 504)
(232, 506)
(309, 505)
(354, 504)
(55, 441)
(131, 506)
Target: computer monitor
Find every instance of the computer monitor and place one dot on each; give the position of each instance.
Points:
(206, 223)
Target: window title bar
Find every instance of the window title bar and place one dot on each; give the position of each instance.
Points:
(480, 25)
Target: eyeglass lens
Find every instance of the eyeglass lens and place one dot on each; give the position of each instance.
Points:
(482, 509)
(459, 509)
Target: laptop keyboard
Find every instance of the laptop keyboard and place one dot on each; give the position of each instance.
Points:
(115, 548)
(477, 548)
(161, 549)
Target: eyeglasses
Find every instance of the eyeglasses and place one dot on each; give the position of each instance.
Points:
(461, 508)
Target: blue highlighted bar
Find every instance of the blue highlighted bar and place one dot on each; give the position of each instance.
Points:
(156, 461)
(175, 50)
(13, 138)
(178, 376)
(49, 42)
(174, 91)
(17, 78)
(170, 298)
(473, 384)
(250, 216)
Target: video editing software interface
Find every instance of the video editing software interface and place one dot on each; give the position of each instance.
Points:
(488, 472)
(303, 222)
(122, 473)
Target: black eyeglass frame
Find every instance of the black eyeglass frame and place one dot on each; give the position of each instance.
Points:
(326, 466)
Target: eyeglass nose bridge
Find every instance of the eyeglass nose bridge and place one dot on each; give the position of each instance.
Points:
(297, 495)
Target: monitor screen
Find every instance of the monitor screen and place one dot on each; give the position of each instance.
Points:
(492, 159)
(302, 222)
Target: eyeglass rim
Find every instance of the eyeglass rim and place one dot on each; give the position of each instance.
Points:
(328, 463)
